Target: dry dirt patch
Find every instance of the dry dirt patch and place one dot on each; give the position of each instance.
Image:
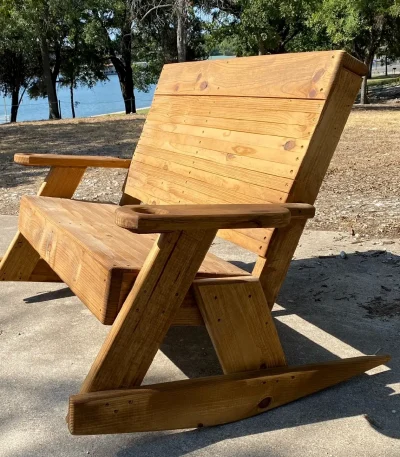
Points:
(361, 191)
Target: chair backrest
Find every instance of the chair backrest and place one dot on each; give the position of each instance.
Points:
(245, 130)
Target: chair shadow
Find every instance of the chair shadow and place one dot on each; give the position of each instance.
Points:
(322, 293)
(354, 301)
(66, 292)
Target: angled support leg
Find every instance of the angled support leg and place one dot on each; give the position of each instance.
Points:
(206, 401)
(239, 322)
(21, 262)
(149, 310)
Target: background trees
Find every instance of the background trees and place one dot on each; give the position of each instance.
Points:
(43, 42)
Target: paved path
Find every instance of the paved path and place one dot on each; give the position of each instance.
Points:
(48, 341)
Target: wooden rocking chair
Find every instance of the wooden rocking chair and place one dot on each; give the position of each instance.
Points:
(239, 147)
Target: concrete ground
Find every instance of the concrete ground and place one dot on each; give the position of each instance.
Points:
(329, 307)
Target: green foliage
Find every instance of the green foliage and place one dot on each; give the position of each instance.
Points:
(263, 26)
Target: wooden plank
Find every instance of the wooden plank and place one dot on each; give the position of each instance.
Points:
(272, 271)
(20, 260)
(83, 245)
(173, 154)
(187, 189)
(301, 75)
(61, 182)
(273, 142)
(277, 110)
(149, 310)
(237, 125)
(252, 190)
(168, 218)
(207, 401)
(240, 325)
(71, 161)
(243, 161)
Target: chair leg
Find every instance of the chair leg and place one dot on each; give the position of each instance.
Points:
(149, 310)
(206, 401)
(20, 261)
(240, 324)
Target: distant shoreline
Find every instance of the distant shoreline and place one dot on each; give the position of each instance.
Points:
(120, 112)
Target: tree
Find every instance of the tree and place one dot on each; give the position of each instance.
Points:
(262, 26)
(18, 58)
(82, 62)
(361, 27)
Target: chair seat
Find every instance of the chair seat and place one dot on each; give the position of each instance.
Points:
(98, 260)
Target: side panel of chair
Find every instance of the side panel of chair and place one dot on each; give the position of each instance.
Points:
(235, 131)
(272, 269)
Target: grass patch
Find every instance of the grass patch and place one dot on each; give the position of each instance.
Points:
(383, 81)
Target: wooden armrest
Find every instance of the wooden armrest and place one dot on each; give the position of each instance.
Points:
(56, 160)
(167, 218)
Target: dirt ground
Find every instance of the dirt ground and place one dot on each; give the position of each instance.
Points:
(360, 194)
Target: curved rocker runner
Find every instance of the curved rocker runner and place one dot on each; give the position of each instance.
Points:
(234, 148)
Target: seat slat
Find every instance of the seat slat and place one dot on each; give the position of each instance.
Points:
(302, 75)
(83, 245)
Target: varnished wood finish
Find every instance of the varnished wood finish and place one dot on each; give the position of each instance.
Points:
(20, 262)
(167, 218)
(217, 134)
(204, 402)
(149, 310)
(239, 323)
(283, 243)
(305, 75)
(84, 246)
(59, 160)
(249, 133)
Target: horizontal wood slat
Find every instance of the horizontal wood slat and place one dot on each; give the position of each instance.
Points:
(252, 190)
(271, 141)
(278, 110)
(301, 75)
(189, 144)
(237, 125)
(221, 169)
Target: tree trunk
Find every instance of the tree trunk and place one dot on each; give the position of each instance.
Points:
(386, 73)
(364, 91)
(47, 77)
(181, 32)
(71, 94)
(14, 104)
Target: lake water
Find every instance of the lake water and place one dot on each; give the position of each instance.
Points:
(104, 98)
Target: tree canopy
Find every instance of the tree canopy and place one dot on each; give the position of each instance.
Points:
(71, 42)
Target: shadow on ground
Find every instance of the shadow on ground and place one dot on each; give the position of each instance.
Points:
(329, 308)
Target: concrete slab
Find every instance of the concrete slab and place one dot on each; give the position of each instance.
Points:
(329, 307)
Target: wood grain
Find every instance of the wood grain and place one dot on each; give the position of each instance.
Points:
(20, 261)
(239, 323)
(83, 245)
(168, 218)
(149, 310)
(59, 160)
(209, 401)
(272, 271)
(302, 75)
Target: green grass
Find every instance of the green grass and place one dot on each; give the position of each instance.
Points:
(383, 81)
(143, 111)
